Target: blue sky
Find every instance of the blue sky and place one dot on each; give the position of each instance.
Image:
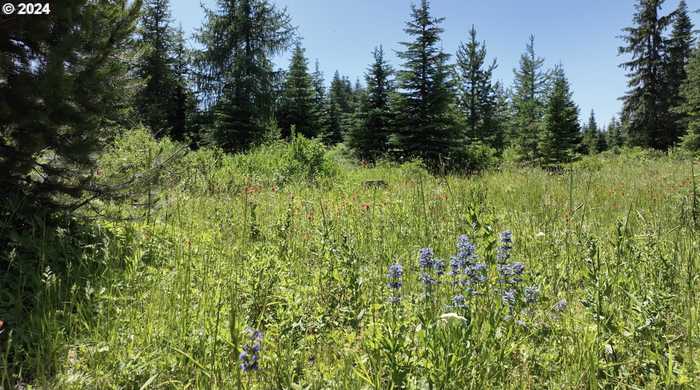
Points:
(582, 35)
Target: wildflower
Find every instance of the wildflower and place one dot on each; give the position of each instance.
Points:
(518, 268)
(439, 267)
(477, 273)
(506, 272)
(506, 246)
(455, 266)
(560, 306)
(250, 355)
(531, 293)
(465, 249)
(427, 280)
(425, 258)
(395, 275)
(459, 301)
(509, 297)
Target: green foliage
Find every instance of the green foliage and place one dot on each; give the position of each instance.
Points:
(477, 94)
(369, 137)
(297, 106)
(691, 106)
(166, 301)
(234, 70)
(560, 137)
(590, 136)
(306, 159)
(166, 103)
(679, 48)
(530, 90)
(426, 126)
(64, 90)
(646, 104)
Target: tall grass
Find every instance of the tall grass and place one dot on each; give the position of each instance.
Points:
(165, 302)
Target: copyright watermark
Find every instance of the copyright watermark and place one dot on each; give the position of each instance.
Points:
(26, 9)
(8, 9)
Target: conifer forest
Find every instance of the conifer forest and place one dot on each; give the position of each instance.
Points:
(210, 208)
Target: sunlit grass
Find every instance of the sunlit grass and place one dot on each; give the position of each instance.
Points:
(166, 304)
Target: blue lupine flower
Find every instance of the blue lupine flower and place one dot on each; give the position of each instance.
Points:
(395, 276)
(249, 356)
(560, 306)
(531, 293)
(477, 272)
(439, 267)
(425, 258)
(455, 266)
(506, 246)
(465, 248)
(427, 280)
(459, 301)
(518, 268)
(509, 297)
(506, 272)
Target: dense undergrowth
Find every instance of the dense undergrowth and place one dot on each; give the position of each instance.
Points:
(162, 291)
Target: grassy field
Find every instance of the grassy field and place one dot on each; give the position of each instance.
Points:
(599, 290)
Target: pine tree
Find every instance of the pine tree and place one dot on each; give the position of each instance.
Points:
(602, 141)
(501, 117)
(690, 108)
(182, 116)
(646, 104)
(343, 102)
(614, 134)
(590, 135)
(235, 75)
(63, 92)
(680, 46)
(476, 96)
(298, 106)
(426, 127)
(528, 101)
(369, 137)
(560, 136)
(162, 103)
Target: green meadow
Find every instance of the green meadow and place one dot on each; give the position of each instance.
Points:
(162, 291)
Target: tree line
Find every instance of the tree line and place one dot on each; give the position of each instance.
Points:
(442, 111)
(72, 79)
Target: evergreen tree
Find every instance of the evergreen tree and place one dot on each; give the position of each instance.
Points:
(343, 102)
(501, 118)
(602, 141)
(62, 95)
(690, 108)
(680, 46)
(341, 93)
(560, 136)
(426, 127)
(234, 70)
(528, 101)
(298, 106)
(183, 115)
(590, 135)
(614, 134)
(476, 96)
(646, 104)
(369, 137)
(162, 103)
